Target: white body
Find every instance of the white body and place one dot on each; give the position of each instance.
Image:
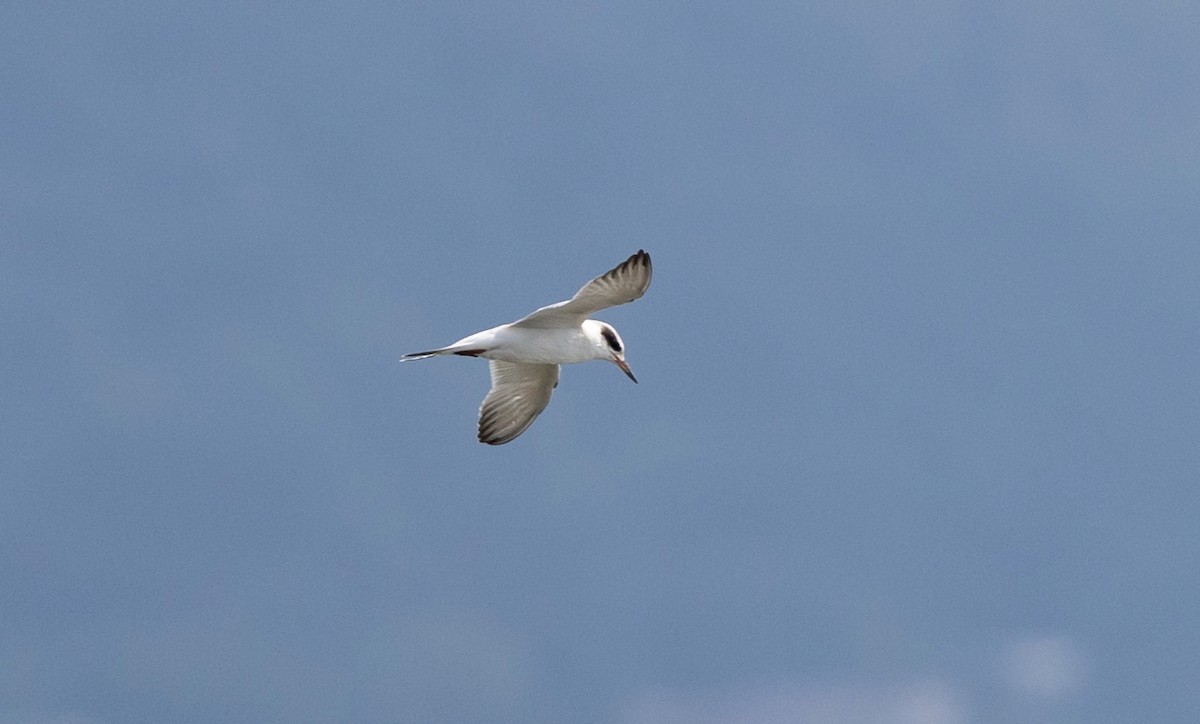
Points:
(566, 345)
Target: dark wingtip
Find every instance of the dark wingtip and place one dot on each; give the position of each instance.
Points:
(643, 257)
(487, 439)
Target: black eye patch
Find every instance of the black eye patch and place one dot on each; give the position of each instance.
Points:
(611, 339)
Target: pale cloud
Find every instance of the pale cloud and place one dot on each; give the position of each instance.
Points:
(1044, 666)
(919, 702)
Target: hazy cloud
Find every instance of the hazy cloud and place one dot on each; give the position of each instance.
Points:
(921, 702)
(1049, 666)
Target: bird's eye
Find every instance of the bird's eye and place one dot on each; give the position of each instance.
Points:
(611, 338)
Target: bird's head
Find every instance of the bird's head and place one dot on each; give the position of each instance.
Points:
(608, 344)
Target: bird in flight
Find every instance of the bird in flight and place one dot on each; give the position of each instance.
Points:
(524, 355)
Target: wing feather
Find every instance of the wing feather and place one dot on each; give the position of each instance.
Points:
(620, 285)
(520, 391)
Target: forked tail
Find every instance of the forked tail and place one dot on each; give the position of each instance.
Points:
(420, 355)
(444, 350)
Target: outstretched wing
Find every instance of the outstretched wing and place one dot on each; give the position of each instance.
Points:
(620, 285)
(520, 391)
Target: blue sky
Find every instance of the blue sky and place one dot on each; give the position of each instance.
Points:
(915, 439)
